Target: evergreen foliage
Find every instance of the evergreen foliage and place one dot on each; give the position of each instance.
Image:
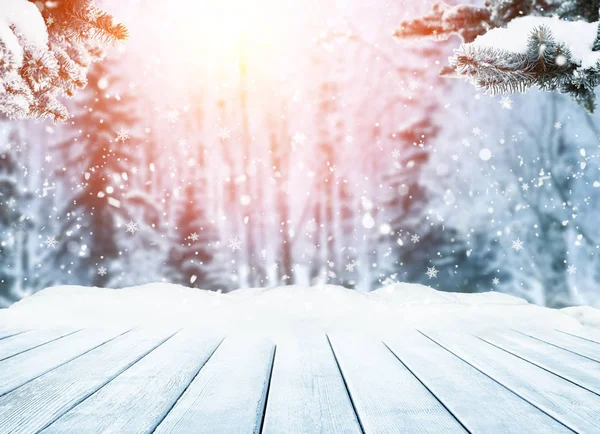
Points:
(46, 48)
(547, 63)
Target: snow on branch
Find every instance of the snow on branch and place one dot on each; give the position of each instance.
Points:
(511, 45)
(46, 49)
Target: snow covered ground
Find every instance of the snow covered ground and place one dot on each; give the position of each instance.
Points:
(288, 308)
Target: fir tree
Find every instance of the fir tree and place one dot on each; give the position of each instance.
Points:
(548, 61)
(46, 48)
(98, 157)
(194, 259)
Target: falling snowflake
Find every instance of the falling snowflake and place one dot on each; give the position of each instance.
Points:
(517, 245)
(558, 125)
(432, 272)
(506, 102)
(122, 134)
(415, 239)
(173, 116)
(476, 131)
(194, 236)
(102, 271)
(299, 138)
(51, 242)
(132, 227)
(395, 153)
(235, 244)
(495, 281)
(571, 269)
(455, 157)
(224, 133)
(48, 158)
(182, 143)
(412, 85)
(349, 139)
(350, 266)
(525, 186)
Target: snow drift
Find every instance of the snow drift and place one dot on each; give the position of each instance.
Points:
(283, 309)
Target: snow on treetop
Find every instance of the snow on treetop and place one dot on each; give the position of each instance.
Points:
(578, 37)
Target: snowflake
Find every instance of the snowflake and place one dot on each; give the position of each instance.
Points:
(395, 153)
(476, 131)
(51, 242)
(48, 158)
(235, 244)
(506, 102)
(571, 269)
(194, 236)
(102, 271)
(517, 245)
(525, 186)
(558, 125)
(432, 272)
(415, 239)
(49, 21)
(412, 85)
(122, 134)
(495, 281)
(350, 266)
(224, 133)
(349, 139)
(132, 227)
(299, 138)
(455, 157)
(182, 143)
(173, 116)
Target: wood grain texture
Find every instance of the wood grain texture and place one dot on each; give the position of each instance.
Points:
(40, 402)
(307, 392)
(229, 393)
(566, 341)
(575, 368)
(387, 397)
(481, 404)
(573, 406)
(24, 367)
(139, 399)
(22, 342)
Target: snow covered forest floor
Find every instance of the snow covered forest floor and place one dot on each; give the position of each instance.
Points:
(286, 309)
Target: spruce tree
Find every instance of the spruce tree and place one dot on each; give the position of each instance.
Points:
(99, 157)
(511, 45)
(46, 48)
(194, 259)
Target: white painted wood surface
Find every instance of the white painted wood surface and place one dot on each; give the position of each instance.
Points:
(575, 368)
(463, 390)
(573, 406)
(566, 341)
(22, 342)
(43, 400)
(307, 392)
(229, 394)
(586, 333)
(24, 367)
(387, 397)
(7, 332)
(139, 399)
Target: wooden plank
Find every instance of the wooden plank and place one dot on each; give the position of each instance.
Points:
(24, 367)
(8, 332)
(386, 396)
(138, 399)
(583, 347)
(20, 343)
(40, 402)
(571, 405)
(478, 402)
(585, 333)
(229, 393)
(579, 370)
(307, 392)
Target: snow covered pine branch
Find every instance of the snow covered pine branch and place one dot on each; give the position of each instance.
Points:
(511, 45)
(46, 48)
